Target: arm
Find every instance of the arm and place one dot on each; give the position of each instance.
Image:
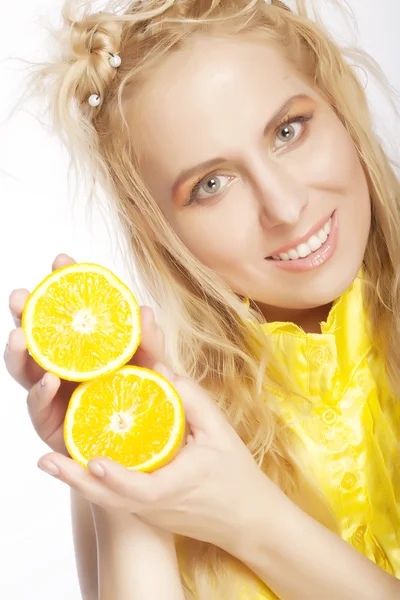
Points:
(128, 560)
(84, 536)
(135, 560)
(299, 559)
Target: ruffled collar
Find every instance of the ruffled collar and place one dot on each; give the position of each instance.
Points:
(349, 303)
(320, 364)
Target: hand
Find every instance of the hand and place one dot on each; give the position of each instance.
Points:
(211, 491)
(48, 397)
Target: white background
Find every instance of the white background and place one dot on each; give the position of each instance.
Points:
(37, 221)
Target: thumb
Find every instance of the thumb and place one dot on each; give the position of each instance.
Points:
(152, 343)
(62, 260)
(201, 412)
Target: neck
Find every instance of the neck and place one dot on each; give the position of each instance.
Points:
(308, 319)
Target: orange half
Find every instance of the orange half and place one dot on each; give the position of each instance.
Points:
(133, 416)
(81, 322)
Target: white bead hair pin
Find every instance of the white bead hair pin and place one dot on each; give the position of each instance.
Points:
(94, 100)
(115, 62)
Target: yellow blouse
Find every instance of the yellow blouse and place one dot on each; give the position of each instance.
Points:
(349, 425)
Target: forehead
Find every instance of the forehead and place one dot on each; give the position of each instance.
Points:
(217, 90)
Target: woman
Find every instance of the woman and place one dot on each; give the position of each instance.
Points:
(237, 145)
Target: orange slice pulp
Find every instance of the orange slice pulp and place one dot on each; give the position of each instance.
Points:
(133, 416)
(81, 322)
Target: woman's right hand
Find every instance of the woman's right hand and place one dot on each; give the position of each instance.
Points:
(48, 396)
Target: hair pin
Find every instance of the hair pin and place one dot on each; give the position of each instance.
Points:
(115, 62)
(94, 100)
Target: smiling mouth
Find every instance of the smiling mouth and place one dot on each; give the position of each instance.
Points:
(313, 244)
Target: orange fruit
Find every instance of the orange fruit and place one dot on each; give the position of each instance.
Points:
(81, 322)
(133, 416)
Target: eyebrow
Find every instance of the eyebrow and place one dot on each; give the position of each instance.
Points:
(209, 164)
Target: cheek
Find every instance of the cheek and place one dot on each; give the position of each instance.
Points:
(220, 236)
(335, 164)
(337, 170)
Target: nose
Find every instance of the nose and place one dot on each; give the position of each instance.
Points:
(281, 197)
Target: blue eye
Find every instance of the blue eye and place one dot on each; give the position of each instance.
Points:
(290, 131)
(208, 187)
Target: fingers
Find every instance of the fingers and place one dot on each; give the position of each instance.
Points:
(152, 343)
(73, 474)
(40, 397)
(46, 408)
(19, 364)
(19, 297)
(143, 490)
(139, 487)
(16, 304)
(201, 412)
(62, 260)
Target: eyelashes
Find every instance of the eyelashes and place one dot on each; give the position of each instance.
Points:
(287, 125)
(207, 179)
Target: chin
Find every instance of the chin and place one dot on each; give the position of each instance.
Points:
(326, 287)
(311, 290)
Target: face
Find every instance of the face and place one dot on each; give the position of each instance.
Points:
(254, 172)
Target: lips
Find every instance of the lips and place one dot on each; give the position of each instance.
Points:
(305, 245)
(292, 261)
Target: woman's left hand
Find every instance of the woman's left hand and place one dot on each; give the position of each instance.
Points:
(211, 491)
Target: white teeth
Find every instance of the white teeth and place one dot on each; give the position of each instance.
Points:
(305, 249)
(293, 254)
(315, 243)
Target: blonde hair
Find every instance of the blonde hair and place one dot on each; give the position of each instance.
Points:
(211, 335)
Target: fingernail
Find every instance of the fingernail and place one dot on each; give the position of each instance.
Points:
(43, 381)
(96, 469)
(49, 467)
